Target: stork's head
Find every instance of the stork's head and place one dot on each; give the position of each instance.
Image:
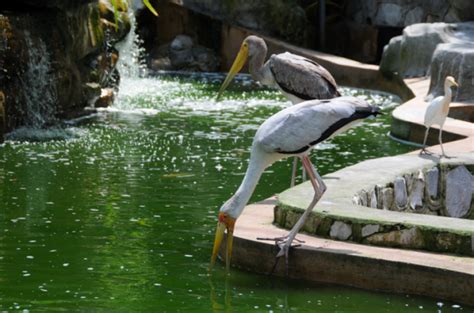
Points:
(225, 222)
(450, 82)
(250, 47)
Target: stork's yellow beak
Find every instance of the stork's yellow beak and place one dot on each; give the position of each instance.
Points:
(236, 67)
(225, 223)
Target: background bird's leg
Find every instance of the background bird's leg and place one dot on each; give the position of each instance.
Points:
(423, 150)
(424, 140)
(319, 188)
(293, 172)
(441, 141)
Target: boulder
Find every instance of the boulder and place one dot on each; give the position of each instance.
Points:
(370, 229)
(184, 55)
(459, 190)
(413, 53)
(340, 230)
(431, 178)
(400, 191)
(457, 60)
(417, 191)
(285, 19)
(411, 238)
(410, 54)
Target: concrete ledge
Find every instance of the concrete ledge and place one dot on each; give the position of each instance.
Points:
(386, 269)
(336, 216)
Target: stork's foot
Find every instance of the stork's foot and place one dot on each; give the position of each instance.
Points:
(285, 244)
(425, 151)
(445, 156)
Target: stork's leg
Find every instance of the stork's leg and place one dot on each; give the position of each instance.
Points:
(303, 174)
(293, 171)
(319, 189)
(423, 150)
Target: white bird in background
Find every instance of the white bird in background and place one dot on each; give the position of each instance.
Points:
(437, 111)
(298, 78)
(290, 132)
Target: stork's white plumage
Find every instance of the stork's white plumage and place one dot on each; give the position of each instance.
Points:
(437, 111)
(290, 132)
(298, 78)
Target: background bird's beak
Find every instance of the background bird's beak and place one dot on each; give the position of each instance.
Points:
(236, 67)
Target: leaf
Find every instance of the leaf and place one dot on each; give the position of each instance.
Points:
(116, 13)
(150, 7)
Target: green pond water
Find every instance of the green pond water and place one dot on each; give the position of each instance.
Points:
(119, 215)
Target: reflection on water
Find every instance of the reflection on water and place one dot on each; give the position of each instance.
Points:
(121, 215)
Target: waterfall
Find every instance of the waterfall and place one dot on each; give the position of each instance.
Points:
(131, 63)
(131, 66)
(38, 85)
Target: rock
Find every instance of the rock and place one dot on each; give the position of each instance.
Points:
(431, 182)
(387, 198)
(184, 55)
(361, 198)
(93, 92)
(106, 98)
(370, 229)
(459, 192)
(416, 191)
(205, 59)
(400, 191)
(278, 18)
(406, 238)
(457, 60)
(373, 198)
(414, 50)
(417, 45)
(160, 64)
(414, 16)
(340, 230)
(389, 14)
(181, 43)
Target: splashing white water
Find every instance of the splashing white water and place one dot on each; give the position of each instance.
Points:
(130, 64)
(38, 85)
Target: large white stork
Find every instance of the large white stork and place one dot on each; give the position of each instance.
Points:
(298, 78)
(437, 111)
(290, 132)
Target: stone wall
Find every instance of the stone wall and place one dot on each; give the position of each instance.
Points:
(55, 57)
(401, 13)
(438, 191)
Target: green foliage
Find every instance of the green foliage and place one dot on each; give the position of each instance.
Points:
(121, 5)
(150, 7)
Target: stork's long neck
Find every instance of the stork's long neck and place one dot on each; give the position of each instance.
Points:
(235, 205)
(256, 62)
